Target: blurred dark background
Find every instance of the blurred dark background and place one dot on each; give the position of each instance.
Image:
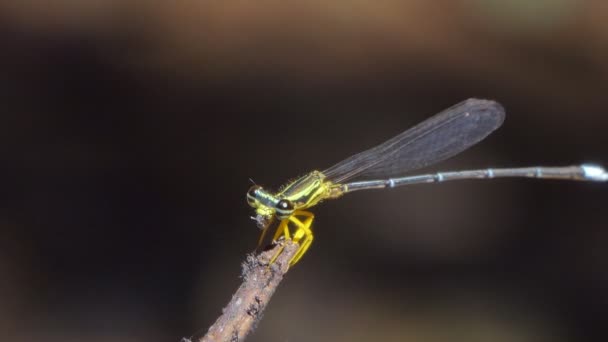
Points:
(129, 131)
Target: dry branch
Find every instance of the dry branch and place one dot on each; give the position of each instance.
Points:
(245, 309)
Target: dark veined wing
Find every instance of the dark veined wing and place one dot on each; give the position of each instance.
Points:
(433, 140)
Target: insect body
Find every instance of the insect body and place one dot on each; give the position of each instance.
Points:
(289, 204)
(435, 139)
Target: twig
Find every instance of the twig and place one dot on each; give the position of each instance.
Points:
(245, 309)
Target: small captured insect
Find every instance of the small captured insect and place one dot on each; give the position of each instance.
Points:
(435, 139)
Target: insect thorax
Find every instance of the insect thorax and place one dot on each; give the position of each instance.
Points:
(307, 190)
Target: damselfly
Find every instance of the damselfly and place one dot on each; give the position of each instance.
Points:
(435, 139)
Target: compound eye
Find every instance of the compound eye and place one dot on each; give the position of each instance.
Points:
(252, 195)
(285, 207)
(252, 191)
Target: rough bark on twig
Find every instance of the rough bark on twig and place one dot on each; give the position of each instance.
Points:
(245, 309)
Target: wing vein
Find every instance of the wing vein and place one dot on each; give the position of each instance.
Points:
(433, 140)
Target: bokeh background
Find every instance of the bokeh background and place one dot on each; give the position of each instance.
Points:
(129, 131)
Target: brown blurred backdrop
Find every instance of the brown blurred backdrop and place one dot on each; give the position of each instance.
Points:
(129, 131)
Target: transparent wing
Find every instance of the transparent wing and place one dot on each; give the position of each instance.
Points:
(435, 139)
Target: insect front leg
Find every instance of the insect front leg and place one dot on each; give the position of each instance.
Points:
(302, 234)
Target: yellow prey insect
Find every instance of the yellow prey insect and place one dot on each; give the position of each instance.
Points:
(435, 139)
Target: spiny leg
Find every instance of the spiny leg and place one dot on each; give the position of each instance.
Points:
(303, 233)
(262, 235)
(308, 238)
(283, 228)
(304, 247)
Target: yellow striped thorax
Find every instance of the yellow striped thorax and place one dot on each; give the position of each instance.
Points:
(302, 193)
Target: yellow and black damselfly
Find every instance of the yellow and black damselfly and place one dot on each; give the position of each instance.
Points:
(435, 139)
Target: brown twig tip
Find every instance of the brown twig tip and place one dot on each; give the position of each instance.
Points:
(260, 280)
